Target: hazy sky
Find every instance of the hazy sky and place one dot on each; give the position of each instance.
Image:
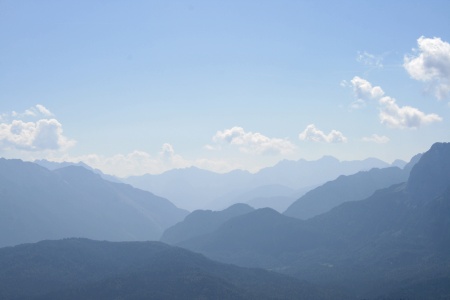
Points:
(135, 87)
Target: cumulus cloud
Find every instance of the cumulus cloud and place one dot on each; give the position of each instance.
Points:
(249, 142)
(395, 116)
(45, 134)
(430, 63)
(375, 138)
(364, 91)
(167, 153)
(311, 133)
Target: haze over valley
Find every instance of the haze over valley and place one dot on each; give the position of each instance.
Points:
(224, 150)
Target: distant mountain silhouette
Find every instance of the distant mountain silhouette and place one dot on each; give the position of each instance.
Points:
(193, 188)
(348, 188)
(278, 203)
(51, 165)
(37, 204)
(260, 238)
(275, 196)
(86, 269)
(399, 163)
(345, 188)
(383, 247)
(200, 222)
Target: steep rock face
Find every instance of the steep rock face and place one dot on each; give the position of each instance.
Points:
(201, 222)
(430, 177)
(37, 204)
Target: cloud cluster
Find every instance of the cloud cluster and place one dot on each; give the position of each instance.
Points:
(45, 134)
(141, 162)
(375, 138)
(311, 133)
(255, 143)
(431, 64)
(390, 113)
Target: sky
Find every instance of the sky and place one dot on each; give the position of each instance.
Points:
(135, 87)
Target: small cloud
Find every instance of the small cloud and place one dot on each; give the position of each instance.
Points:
(257, 143)
(344, 83)
(431, 64)
(167, 151)
(211, 147)
(311, 133)
(37, 111)
(375, 138)
(357, 104)
(370, 60)
(43, 110)
(398, 117)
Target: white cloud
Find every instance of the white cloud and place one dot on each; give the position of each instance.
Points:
(45, 134)
(390, 113)
(37, 111)
(167, 153)
(311, 133)
(431, 64)
(395, 116)
(375, 138)
(43, 110)
(364, 91)
(369, 59)
(257, 143)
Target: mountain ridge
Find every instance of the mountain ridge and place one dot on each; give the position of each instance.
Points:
(36, 204)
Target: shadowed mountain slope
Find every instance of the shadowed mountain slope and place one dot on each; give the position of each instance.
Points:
(348, 188)
(345, 188)
(200, 222)
(381, 247)
(86, 269)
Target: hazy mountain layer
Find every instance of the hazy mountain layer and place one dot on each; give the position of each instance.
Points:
(193, 188)
(200, 222)
(51, 165)
(37, 204)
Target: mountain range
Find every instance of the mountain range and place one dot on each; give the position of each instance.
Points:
(85, 269)
(37, 204)
(348, 188)
(391, 245)
(378, 234)
(193, 188)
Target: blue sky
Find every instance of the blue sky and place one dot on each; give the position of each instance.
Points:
(135, 87)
